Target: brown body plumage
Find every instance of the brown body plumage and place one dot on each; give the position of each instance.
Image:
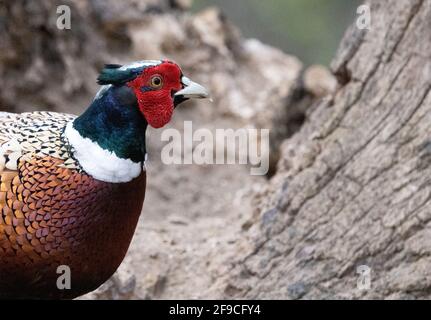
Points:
(52, 213)
(52, 216)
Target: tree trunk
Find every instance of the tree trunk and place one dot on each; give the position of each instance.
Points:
(353, 186)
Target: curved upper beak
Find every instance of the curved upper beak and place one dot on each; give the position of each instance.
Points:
(192, 90)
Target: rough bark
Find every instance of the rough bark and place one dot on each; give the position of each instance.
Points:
(353, 185)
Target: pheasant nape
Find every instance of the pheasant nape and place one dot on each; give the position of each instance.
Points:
(72, 188)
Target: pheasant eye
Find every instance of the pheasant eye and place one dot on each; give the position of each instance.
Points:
(156, 82)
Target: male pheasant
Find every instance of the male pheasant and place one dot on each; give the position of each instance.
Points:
(72, 188)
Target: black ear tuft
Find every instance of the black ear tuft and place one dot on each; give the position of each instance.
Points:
(112, 74)
(112, 66)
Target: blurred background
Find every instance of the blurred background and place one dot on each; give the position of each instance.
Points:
(310, 29)
(266, 64)
(257, 58)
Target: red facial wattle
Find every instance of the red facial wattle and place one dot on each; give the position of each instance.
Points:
(157, 104)
(157, 107)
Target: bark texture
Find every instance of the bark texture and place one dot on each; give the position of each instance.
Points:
(353, 185)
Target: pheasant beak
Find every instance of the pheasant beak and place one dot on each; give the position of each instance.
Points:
(192, 90)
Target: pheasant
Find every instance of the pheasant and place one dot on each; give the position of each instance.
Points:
(72, 188)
